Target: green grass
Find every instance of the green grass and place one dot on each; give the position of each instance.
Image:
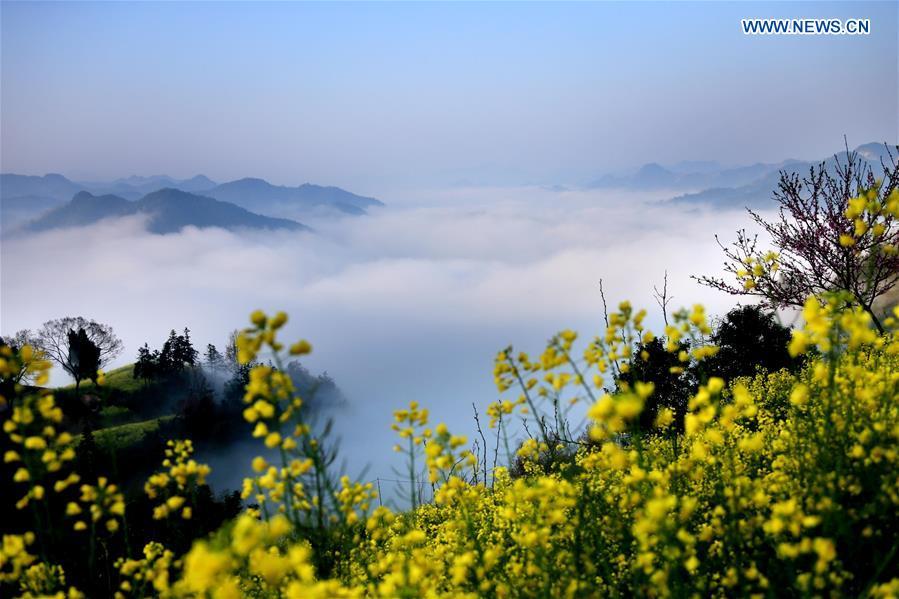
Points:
(115, 438)
(115, 415)
(121, 379)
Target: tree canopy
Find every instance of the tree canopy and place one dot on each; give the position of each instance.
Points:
(76, 343)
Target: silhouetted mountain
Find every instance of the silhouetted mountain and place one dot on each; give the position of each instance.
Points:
(759, 191)
(84, 209)
(685, 167)
(173, 209)
(692, 175)
(649, 176)
(145, 185)
(48, 186)
(18, 210)
(877, 153)
(167, 211)
(24, 197)
(262, 196)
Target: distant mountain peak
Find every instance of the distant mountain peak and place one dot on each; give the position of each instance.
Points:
(260, 195)
(758, 191)
(82, 196)
(168, 210)
(875, 151)
(653, 168)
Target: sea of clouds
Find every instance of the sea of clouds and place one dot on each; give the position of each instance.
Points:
(409, 303)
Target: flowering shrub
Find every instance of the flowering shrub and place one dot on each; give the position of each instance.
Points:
(778, 485)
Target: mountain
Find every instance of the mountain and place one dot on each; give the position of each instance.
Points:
(649, 176)
(25, 197)
(260, 195)
(172, 209)
(689, 176)
(143, 185)
(84, 209)
(685, 167)
(758, 192)
(167, 211)
(22, 197)
(877, 153)
(48, 186)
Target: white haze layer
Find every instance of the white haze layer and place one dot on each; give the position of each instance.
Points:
(409, 303)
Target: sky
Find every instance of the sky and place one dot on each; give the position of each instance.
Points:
(379, 96)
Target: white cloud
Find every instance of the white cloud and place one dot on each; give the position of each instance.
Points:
(411, 302)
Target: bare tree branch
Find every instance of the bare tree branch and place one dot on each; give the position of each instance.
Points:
(809, 235)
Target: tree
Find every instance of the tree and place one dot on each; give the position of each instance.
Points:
(214, 359)
(146, 367)
(826, 238)
(83, 359)
(749, 338)
(674, 381)
(55, 339)
(231, 361)
(18, 341)
(177, 352)
(184, 351)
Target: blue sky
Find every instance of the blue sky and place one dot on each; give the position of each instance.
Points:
(379, 95)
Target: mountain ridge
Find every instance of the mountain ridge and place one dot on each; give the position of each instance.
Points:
(758, 192)
(254, 193)
(167, 210)
(24, 198)
(698, 177)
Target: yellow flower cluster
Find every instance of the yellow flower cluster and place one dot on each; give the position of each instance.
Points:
(148, 576)
(44, 449)
(254, 560)
(42, 580)
(102, 501)
(178, 482)
(14, 556)
(872, 219)
(779, 484)
(752, 268)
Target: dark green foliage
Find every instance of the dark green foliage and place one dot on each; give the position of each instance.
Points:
(177, 352)
(674, 381)
(84, 357)
(147, 364)
(87, 452)
(749, 339)
(199, 409)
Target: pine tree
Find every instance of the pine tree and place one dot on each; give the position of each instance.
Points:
(146, 366)
(168, 362)
(186, 354)
(214, 360)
